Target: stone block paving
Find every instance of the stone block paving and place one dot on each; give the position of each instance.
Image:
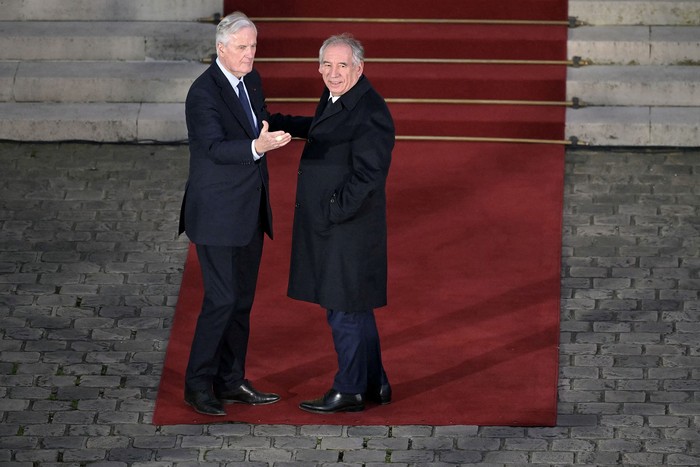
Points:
(90, 266)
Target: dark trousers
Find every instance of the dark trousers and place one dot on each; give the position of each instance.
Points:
(356, 342)
(220, 341)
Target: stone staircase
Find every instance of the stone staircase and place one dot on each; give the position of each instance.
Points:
(119, 71)
(100, 70)
(643, 85)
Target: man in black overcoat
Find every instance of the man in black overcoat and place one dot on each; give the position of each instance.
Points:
(339, 242)
(226, 211)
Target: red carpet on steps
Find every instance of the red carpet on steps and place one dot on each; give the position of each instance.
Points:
(470, 335)
(495, 121)
(384, 40)
(453, 81)
(551, 10)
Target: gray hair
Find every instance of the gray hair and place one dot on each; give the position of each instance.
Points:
(231, 24)
(358, 52)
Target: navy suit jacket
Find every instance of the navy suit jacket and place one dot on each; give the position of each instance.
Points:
(225, 187)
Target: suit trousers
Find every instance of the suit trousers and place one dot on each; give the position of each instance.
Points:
(356, 342)
(220, 342)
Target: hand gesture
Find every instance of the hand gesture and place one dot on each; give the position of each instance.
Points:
(267, 141)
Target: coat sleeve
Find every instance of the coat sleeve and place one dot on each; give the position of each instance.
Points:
(371, 146)
(297, 126)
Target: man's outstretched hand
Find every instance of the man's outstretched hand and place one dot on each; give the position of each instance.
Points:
(267, 141)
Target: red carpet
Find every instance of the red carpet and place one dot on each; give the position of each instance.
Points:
(470, 336)
(383, 40)
(454, 81)
(472, 9)
(496, 121)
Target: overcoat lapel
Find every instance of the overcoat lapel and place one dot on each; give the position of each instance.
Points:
(319, 116)
(348, 100)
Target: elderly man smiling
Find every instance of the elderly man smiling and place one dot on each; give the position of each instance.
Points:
(339, 254)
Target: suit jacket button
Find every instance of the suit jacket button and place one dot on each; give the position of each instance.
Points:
(296, 205)
(299, 172)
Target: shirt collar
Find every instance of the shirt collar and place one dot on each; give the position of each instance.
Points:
(229, 76)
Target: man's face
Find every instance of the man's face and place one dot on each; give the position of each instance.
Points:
(338, 71)
(238, 54)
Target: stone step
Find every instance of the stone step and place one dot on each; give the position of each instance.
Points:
(633, 12)
(168, 81)
(115, 122)
(105, 40)
(636, 45)
(635, 126)
(665, 86)
(100, 81)
(100, 122)
(113, 10)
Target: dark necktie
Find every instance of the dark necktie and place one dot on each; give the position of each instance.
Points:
(246, 106)
(329, 106)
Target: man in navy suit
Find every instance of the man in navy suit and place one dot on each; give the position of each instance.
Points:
(226, 211)
(339, 251)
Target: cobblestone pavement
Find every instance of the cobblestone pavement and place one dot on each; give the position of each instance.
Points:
(89, 273)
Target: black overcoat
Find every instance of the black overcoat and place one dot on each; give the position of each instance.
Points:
(339, 241)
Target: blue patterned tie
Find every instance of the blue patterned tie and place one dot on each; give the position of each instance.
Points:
(246, 106)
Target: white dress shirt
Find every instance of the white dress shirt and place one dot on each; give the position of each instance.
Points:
(234, 83)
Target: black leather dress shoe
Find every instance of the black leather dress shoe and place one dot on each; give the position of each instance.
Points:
(246, 394)
(333, 402)
(204, 402)
(381, 395)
